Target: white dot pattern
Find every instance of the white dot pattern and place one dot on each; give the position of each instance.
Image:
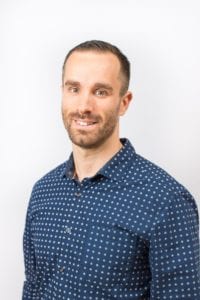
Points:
(129, 232)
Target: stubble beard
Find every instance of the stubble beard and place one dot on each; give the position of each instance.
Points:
(94, 139)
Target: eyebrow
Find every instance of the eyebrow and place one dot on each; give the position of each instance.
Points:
(96, 85)
(71, 82)
(103, 85)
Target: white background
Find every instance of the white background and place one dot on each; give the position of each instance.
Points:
(161, 39)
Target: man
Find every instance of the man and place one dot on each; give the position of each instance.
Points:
(107, 224)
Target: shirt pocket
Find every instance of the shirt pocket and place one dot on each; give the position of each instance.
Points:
(108, 252)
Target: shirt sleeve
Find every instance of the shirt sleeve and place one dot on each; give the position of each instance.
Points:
(174, 251)
(29, 287)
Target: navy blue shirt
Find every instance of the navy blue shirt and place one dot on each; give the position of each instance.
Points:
(129, 232)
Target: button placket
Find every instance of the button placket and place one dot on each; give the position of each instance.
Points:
(62, 269)
(77, 194)
(78, 191)
(68, 230)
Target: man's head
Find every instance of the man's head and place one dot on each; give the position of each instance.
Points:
(94, 93)
(103, 47)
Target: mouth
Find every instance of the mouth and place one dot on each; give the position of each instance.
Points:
(85, 123)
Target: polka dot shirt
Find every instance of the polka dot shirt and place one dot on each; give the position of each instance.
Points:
(129, 232)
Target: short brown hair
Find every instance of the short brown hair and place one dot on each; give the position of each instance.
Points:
(101, 46)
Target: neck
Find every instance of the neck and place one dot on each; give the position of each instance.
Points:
(89, 161)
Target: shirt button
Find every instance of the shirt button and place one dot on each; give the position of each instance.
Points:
(68, 230)
(62, 269)
(78, 194)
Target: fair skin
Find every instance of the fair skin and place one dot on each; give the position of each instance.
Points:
(91, 107)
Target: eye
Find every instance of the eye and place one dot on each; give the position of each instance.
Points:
(73, 89)
(101, 93)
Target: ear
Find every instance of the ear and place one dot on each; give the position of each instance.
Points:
(125, 101)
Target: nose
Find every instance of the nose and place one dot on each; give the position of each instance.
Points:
(86, 103)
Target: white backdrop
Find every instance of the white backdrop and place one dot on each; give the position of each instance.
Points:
(161, 39)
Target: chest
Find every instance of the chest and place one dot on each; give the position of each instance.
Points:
(96, 227)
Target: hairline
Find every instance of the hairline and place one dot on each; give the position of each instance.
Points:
(121, 75)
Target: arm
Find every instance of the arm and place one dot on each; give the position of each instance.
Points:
(29, 289)
(174, 252)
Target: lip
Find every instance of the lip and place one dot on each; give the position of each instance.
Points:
(84, 124)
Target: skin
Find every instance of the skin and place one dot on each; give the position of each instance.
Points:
(91, 107)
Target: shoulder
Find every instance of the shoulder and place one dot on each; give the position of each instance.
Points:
(141, 170)
(159, 189)
(54, 176)
(157, 184)
(154, 175)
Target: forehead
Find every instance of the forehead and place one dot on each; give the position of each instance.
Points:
(92, 64)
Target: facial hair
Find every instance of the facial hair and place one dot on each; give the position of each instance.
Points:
(96, 137)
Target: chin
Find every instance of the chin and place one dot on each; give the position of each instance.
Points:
(88, 143)
(93, 140)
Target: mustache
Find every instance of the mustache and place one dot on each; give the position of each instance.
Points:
(90, 116)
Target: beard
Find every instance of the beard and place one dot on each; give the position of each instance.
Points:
(95, 137)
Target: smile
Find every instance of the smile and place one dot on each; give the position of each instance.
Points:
(85, 123)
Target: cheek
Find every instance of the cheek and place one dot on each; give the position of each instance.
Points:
(63, 103)
(66, 105)
(65, 111)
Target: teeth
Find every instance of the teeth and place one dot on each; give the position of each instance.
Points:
(84, 123)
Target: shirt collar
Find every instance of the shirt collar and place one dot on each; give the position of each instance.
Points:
(116, 168)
